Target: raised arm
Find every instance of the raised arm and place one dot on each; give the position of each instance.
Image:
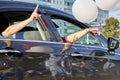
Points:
(17, 27)
(75, 36)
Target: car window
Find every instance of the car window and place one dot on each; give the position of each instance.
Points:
(65, 28)
(88, 39)
(36, 30)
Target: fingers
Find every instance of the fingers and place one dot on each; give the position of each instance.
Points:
(36, 8)
(95, 30)
(35, 14)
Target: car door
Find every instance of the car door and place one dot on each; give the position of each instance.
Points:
(35, 37)
(82, 52)
(86, 44)
(33, 52)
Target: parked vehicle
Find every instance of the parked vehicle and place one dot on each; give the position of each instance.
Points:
(35, 51)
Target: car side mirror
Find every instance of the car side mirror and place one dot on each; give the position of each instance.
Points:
(112, 45)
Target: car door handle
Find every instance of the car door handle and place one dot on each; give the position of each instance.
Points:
(9, 51)
(76, 54)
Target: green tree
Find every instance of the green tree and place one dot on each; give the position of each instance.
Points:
(110, 27)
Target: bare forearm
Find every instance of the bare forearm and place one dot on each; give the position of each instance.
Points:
(75, 36)
(16, 27)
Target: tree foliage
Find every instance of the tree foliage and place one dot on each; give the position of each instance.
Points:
(110, 28)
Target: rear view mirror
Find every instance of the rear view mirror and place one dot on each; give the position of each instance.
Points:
(112, 45)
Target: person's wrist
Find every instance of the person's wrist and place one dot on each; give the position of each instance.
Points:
(30, 19)
(87, 30)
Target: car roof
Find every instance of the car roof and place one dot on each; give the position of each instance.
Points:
(18, 6)
(25, 6)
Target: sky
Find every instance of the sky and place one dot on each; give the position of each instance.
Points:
(115, 11)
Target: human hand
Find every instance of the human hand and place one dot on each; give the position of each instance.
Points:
(35, 14)
(95, 30)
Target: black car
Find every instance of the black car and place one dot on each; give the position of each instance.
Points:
(34, 53)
